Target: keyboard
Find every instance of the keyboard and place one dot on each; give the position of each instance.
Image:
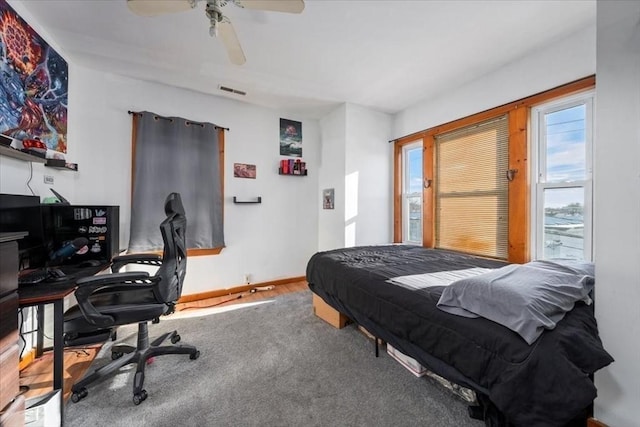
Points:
(40, 275)
(33, 276)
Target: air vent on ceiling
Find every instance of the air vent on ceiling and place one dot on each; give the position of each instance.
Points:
(231, 90)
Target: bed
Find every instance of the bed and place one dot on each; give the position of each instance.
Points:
(547, 382)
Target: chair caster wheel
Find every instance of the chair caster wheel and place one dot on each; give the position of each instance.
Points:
(79, 395)
(175, 339)
(116, 355)
(194, 356)
(138, 398)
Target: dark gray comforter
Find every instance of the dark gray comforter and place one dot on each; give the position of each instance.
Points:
(547, 383)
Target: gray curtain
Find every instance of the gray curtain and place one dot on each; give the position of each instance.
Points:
(175, 154)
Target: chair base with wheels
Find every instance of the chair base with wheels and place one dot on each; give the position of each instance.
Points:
(125, 354)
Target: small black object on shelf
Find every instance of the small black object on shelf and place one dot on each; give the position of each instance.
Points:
(256, 200)
(61, 164)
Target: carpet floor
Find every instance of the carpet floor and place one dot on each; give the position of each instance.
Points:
(268, 363)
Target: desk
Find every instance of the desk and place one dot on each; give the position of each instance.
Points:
(55, 293)
(37, 295)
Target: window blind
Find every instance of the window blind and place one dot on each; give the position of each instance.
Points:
(471, 189)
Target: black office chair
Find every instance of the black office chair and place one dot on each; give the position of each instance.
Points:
(107, 301)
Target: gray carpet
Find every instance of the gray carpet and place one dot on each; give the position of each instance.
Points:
(269, 364)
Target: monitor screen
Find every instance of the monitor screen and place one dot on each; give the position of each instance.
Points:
(23, 213)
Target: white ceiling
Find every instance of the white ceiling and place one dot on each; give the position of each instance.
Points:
(385, 55)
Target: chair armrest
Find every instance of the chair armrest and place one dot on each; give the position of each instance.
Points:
(145, 259)
(119, 282)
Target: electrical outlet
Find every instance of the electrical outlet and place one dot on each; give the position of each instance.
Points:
(48, 179)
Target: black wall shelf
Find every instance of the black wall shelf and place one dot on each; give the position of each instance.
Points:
(61, 164)
(246, 201)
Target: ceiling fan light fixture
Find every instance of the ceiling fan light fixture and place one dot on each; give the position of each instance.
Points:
(220, 25)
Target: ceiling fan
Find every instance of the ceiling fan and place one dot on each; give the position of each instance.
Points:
(220, 24)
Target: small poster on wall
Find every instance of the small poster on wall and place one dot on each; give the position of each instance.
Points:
(290, 138)
(243, 170)
(327, 198)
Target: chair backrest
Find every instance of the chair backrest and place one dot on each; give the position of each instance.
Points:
(173, 204)
(174, 256)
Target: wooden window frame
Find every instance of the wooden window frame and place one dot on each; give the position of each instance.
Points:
(404, 191)
(519, 188)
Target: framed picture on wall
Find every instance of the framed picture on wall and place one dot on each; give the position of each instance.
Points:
(290, 138)
(327, 198)
(243, 170)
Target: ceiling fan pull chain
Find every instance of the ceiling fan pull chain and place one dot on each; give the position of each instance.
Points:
(214, 13)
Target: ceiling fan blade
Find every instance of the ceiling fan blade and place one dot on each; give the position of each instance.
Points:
(158, 7)
(230, 40)
(288, 6)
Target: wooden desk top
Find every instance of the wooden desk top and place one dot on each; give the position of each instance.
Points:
(49, 292)
(44, 293)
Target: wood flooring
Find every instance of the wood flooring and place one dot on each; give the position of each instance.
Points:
(37, 378)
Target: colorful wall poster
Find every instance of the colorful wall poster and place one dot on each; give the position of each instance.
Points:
(33, 85)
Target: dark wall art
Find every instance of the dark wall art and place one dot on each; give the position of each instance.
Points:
(290, 138)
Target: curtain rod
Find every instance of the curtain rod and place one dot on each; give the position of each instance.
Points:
(189, 122)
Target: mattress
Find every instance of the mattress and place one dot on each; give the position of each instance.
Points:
(528, 384)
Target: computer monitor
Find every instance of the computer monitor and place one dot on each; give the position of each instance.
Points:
(23, 213)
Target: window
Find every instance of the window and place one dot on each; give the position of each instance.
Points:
(471, 189)
(562, 134)
(412, 193)
(174, 154)
(497, 217)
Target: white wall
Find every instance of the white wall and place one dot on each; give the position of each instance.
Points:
(331, 175)
(565, 61)
(357, 163)
(368, 177)
(617, 209)
(269, 241)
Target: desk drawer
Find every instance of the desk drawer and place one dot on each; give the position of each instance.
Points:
(8, 320)
(8, 267)
(9, 374)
